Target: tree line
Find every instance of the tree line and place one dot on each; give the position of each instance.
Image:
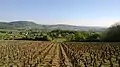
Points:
(112, 34)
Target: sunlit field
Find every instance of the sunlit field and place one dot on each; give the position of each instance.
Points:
(57, 54)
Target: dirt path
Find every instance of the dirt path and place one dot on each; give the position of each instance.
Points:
(47, 61)
(56, 60)
(66, 60)
(43, 54)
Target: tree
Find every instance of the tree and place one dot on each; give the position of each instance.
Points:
(47, 38)
(94, 37)
(112, 34)
(71, 37)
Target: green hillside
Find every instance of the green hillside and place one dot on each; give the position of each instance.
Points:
(33, 25)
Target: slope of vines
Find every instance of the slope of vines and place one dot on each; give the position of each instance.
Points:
(52, 54)
(93, 54)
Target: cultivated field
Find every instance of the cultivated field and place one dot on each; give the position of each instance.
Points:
(51, 54)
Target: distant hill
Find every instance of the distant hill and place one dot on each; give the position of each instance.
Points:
(19, 25)
(33, 25)
(25, 24)
(4, 25)
(77, 28)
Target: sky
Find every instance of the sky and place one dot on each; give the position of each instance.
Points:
(73, 12)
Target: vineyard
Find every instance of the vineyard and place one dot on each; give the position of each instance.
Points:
(54, 54)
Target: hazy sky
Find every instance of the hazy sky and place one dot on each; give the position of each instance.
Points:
(73, 12)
